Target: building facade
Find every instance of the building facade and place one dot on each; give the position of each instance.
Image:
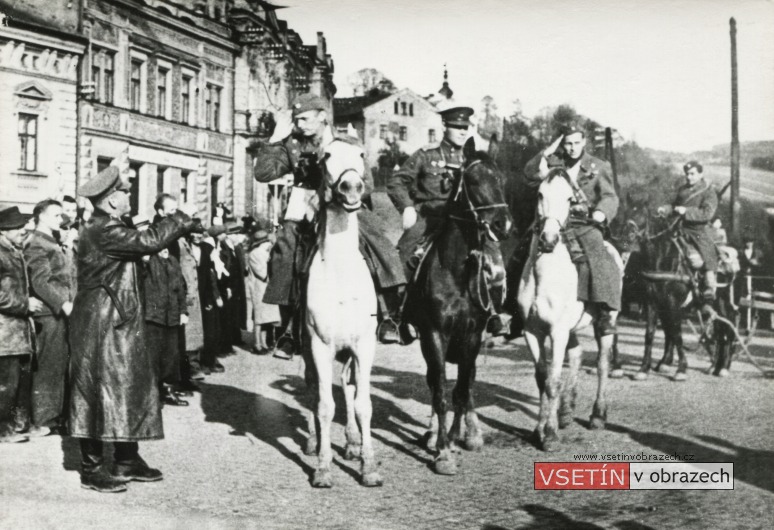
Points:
(38, 109)
(171, 92)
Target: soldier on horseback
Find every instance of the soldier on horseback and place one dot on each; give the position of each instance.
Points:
(696, 203)
(594, 207)
(420, 190)
(297, 147)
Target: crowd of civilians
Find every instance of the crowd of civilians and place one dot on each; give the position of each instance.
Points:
(196, 293)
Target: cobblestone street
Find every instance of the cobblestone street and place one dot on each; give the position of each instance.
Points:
(233, 459)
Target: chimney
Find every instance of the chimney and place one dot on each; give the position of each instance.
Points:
(320, 46)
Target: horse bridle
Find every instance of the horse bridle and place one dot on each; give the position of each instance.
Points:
(336, 183)
(482, 224)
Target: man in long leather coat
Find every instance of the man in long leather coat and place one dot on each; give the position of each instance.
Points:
(297, 147)
(113, 376)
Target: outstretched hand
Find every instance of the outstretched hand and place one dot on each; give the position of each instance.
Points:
(284, 127)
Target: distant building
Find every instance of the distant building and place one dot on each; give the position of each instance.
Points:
(39, 63)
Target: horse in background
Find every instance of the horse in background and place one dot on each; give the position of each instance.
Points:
(340, 319)
(548, 303)
(670, 295)
(449, 302)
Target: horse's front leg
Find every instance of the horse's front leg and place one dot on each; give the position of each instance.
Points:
(434, 351)
(369, 473)
(553, 389)
(650, 333)
(353, 448)
(311, 397)
(570, 391)
(536, 344)
(464, 407)
(599, 411)
(326, 408)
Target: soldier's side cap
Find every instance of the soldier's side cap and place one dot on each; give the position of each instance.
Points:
(571, 128)
(693, 164)
(307, 102)
(459, 116)
(12, 219)
(107, 181)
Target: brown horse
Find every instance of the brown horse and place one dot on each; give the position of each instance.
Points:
(449, 302)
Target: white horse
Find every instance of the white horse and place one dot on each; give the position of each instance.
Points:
(549, 305)
(341, 317)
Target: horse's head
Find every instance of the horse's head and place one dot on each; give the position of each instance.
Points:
(555, 199)
(477, 194)
(344, 180)
(636, 225)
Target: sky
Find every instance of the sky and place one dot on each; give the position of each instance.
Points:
(656, 70)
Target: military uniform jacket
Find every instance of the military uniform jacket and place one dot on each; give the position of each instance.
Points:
(700, 202)
(426, 176)
(113, 375)
(302, 157)
(50, 273)
(595, 179)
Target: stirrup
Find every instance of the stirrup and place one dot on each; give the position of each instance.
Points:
(285, 348)
(387, 331)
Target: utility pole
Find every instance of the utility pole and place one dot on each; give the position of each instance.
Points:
(735, 228)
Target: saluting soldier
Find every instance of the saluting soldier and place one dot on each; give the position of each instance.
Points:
(297, 147)
(113, 375)
(596, 204)
(696, 202)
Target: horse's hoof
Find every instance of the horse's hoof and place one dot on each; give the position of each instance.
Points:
(680, 376)
(616, 373)
(723, 373)
(352, 452)
(566, 418)
(372, 480)
(446, 466)
(431, 441)
(551, 444)
(473, 443)
(597, 423)
(311, 446)
(322, 479)
(640, 376)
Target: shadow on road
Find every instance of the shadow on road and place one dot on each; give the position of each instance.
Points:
(387, 416)
(752, 466)
(264, 418)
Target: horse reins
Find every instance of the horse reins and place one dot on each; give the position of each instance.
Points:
(473, 208)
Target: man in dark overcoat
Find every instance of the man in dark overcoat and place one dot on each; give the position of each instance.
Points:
(113, 376)
(50, 280)
(595, 206)
(211, 300)
(16, 333)
(696, 202)
(297, 147)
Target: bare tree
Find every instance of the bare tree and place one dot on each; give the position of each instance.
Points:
(367, 80)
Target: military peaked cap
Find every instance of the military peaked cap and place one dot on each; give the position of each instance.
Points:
(107, 181)
(459, 116)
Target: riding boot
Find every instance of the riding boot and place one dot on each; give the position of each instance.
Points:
(389, 314)
(285, 346)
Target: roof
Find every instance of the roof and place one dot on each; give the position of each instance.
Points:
(345, 109)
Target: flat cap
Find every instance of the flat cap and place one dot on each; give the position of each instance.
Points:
(107, 181)
(693, 164)
(457, 116)
(307, 102)
(12, 219)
